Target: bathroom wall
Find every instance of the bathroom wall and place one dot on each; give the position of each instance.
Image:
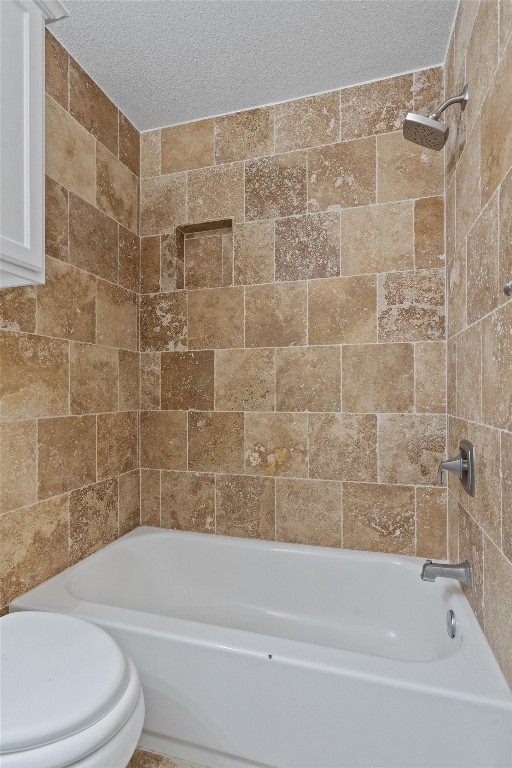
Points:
(293, 360)
(69, 480)
(479, 256)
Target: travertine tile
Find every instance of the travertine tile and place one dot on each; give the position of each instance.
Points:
(485, 507)
(343, 310)
(145, 759)
(150, 381)
(481, 56)
(428, 89)
(187, 146)
(94, 378)
(307, 122)
(275, 315)
(506, 492)
(307, 247)
(117, 189)
(497, 368)
(18, 465)
(431, 523)
(93, 518)
(505, 23)
(129, 502)
(163, 439)
(216, 318)
(453, 529)
(378, 377)
(450, 220)
(228, 260)
(377, 107)
(116, 316)
(35, 377)
(56, 70)
(216, 193)
(244, 134)
(93, 239)
(150, 151)
(253, 246)
(66, 304)
(308, 512)
(456, 291)
(430, 377)
(341, 175)
(498, 607)
(343, 446)
(188, 501)
(467, 185)
(56, 220)
(70, 152)
(406, 170)
(469, 374)
(411, 306)
(428, 232)
(471, 547)
(377, 238)
(410, 448)
(275, 186)
(276, 444)
(18, 309)
(150, 497)
(379, 518)
(245, 507)
(203, 262)
(451, 375)
(129, 260)
(129, 144)
(483, 290)
(162, 204)
(116, 443)
(244, 380)
(150, 264)
(92, 108)
(66, 454)
(308, 379)
(33, 546)
(129, 380)
(215, 442)
(505, 233)
(187, 380)
(163, 322)
(464, 22)
(171, 263)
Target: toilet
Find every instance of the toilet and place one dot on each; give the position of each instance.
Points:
(69, 695)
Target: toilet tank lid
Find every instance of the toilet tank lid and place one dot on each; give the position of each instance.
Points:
(58, 676)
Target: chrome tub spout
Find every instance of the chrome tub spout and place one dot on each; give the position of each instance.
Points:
(462, 572)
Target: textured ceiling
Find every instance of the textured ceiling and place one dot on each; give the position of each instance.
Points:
(170, 61)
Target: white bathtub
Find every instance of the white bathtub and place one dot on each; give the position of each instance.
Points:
(258, 653)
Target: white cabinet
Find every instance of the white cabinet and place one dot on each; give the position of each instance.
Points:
(22, 138)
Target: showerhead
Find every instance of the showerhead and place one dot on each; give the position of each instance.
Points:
(428, 131)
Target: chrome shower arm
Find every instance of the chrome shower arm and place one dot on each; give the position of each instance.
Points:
(462, 100)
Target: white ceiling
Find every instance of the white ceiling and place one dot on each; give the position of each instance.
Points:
(169, 61)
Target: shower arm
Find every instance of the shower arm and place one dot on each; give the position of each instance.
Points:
(462, 100)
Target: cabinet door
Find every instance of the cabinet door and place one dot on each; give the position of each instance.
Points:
(21, 143)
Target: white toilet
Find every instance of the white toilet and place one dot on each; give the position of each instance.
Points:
(69, 696)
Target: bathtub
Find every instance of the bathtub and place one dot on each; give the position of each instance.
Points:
(257, 653)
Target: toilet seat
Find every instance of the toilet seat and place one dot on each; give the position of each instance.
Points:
(66, 690)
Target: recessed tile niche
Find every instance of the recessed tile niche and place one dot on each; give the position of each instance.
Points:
(206, 252)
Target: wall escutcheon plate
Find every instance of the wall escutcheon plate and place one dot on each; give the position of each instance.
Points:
(467, 452)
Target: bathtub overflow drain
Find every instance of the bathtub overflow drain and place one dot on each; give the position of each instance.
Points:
(451, 624)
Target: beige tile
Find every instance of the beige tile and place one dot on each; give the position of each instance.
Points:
(410, 448)
(203, 262)
(378, 377)
(275, 315)
(18, 465)
(484, 293)
(498, 608)
(56, 220)
(411, 305)
(18, 309)
(469, 374)
(150, 264)
(379, 518)
(464, 22)
(342, 310)
(453, 529)
(467, 185)
(216, 193)
(307, 122)
(505, 234)
(150, 381)
(66, 304)
(451, 376)
(216, 318)
(497, 368)
(117, 189)
(244, 134)
(188, 501)
(163, 322)
(245, 507)
(471, 547)
(215, 442)
(163, 439)
(276, 444)
(481, 56)
(485, 507)
(129, 260)
(56, 70)
(377, 107)
(244, 380)
(144, 759)
(187, 146)
(70, 152)
(429, 232)
(505, 22)
(66, 454)
(150, 151)
(343, 446)
(116, 316)
(162, 204)
(35, 377)
(308, 379)
(187, 380)
(456, 291)
(428, 89)
(171, 262)
(129, 144)
(150, 497)
(430, 377)
(406, 170)
(275, 186)
(308, 512)
(506, 492)
(253, 245)
(92, 108)
(93, 239)
(33, 546)
(341, 175)
(93, 518)
(129, 380)
(450, 206)
(431, 523)
(129, 502)
(94, 379)
(377, 238)
(307, 247)
(116, 443)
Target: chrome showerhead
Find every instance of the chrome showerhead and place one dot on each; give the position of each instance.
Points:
(428, 131)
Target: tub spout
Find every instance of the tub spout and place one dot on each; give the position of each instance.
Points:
(462, 572)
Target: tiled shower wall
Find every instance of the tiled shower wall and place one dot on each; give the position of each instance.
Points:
(479, 255)
(293, 380)
(69, 363)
